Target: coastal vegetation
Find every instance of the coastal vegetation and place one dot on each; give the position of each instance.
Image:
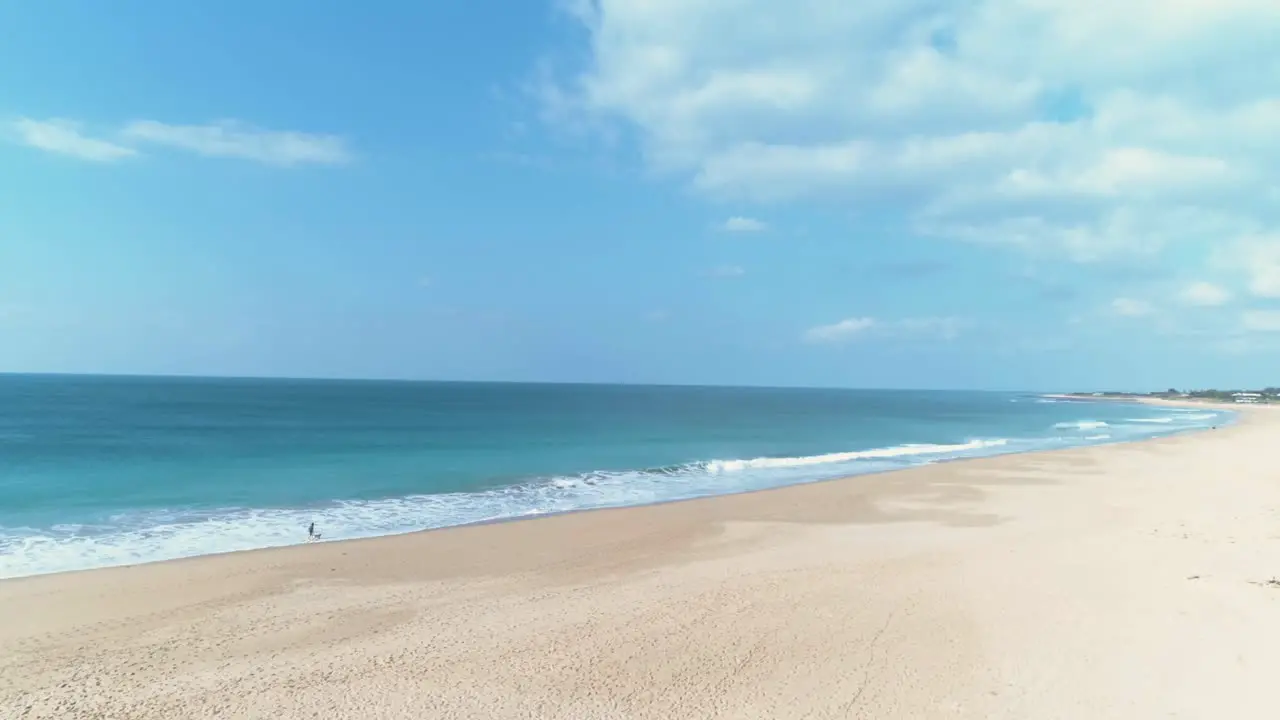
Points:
(1263, 395)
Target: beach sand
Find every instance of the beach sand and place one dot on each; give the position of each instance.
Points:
(1124, 581)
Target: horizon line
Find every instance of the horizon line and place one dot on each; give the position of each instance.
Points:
(330, 378)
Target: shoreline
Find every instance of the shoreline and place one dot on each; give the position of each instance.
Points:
(1236, 416)
(915, 593)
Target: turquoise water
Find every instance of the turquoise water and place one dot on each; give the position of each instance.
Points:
(99, 471)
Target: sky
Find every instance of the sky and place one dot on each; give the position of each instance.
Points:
(1003, 194)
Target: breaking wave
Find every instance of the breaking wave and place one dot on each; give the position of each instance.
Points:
(1081, 425)
(148, 535)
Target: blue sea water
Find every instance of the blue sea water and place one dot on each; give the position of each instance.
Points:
(99, 471)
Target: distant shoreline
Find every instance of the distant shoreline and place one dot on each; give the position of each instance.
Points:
(1157, 399)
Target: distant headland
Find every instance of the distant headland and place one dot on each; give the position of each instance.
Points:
(1248, 397)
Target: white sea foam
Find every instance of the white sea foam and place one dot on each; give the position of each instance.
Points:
(1081, 425)
(145, 536)
(718, 466)
(1098, 437)
(1159, 420)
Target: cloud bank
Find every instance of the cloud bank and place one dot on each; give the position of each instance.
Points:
(1081, 129)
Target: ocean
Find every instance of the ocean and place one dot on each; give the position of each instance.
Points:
(101, 471)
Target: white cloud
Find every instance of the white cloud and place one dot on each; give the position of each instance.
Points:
(1077, 127)
(1123, 171)
(1261, 320)
(1205, 294)
(942, 328)
(739, 224)
(1257, 257)
(846, 329)
(236, 140)
(65, 138)
(728, 271)
(222, 139)
(1129, 307)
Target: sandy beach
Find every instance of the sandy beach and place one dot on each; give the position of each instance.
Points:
(1123, 581)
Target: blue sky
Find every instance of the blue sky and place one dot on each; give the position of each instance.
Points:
(914, 193)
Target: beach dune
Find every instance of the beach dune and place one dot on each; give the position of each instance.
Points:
(1121, 581)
